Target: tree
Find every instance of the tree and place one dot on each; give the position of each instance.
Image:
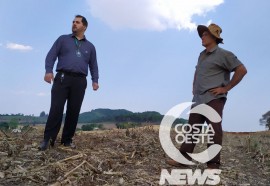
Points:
(26, 127)
(126, 125)
(265, 120)
(91, 127)
(42, 114)
(4, 125)
(13, 124)
(180, 121)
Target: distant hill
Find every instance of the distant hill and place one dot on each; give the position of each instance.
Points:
(102, 115)
(97, 116)
(24, 119)
(121, 115)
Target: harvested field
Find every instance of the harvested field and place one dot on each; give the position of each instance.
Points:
(122, 157)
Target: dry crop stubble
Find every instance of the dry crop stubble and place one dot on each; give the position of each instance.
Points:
(122, 157)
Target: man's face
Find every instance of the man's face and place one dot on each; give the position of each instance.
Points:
(77, 25)
(207, 39)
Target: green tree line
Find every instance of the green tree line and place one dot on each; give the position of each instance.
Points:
(96, 116)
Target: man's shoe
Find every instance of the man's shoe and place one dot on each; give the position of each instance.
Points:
(176, 164)
(70, 144)
(44, 145)
(52, 143)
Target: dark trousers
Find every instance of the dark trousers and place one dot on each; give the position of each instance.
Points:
(68, 89)
(217, 105)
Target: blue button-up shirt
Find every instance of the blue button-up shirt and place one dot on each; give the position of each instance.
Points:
(65, 49)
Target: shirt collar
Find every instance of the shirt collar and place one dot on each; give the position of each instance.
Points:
(212, 50)
(72, 35)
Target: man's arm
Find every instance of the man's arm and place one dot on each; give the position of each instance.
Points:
(239, 73)
(94, 69)
(194, 79)
(50, 60)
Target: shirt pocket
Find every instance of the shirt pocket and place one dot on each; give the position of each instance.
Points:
(86, 54)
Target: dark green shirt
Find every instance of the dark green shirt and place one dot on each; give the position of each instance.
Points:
(213, 70)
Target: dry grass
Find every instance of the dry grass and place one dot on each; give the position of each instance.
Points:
(122, 157)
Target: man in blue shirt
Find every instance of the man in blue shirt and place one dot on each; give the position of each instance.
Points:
(75, 55)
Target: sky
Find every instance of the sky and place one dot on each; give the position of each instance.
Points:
(147, 51)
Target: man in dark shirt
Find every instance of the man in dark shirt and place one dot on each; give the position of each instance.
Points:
(75, 55)
(211, 84)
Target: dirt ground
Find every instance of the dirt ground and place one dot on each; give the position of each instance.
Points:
(122, 157)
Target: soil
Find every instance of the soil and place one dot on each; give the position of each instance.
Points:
(122, 157)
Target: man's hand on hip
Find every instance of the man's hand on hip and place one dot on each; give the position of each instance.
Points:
(95, 86)
(49, 77)
(218, 90)
(239, 73)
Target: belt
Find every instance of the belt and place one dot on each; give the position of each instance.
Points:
(73, 74)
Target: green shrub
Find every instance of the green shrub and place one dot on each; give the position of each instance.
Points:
(4, 125)
(127, 125)
(90, 127)
(13, 124)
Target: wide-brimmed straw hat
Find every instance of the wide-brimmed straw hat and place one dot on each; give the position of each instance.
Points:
(213, 29)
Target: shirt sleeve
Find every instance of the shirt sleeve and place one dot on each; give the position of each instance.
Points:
(93, 66)
(52, 55)
(231, 61)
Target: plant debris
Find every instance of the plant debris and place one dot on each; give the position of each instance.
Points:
(121, 157)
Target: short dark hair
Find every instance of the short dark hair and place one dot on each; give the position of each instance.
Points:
(218, 40)
(84, 21)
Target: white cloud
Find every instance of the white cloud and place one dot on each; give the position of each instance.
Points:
(42, 94)
(29, 93)
(21, 92)
(209, 22)
(15, 46)
(151, 14)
